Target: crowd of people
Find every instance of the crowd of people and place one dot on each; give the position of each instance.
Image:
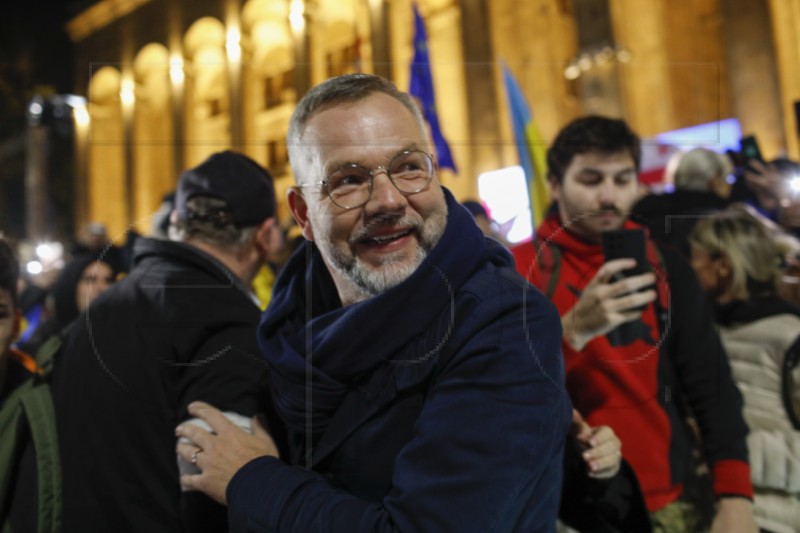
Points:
(412, 370)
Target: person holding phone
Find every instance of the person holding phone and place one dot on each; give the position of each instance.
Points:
(667, 360)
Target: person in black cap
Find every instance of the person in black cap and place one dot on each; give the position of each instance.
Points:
(180, 327)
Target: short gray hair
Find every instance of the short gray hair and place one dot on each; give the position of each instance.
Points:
(210, 221)
(697, 167)
(349, 88)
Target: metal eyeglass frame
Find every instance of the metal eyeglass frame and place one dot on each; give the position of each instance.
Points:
(372, 173)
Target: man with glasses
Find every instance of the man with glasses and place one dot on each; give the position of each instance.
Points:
(419, 377)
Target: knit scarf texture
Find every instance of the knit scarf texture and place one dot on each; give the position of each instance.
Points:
(317, 349)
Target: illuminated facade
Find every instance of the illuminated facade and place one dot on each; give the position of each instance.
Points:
(169, 82)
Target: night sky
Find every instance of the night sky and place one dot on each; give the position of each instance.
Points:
(36, 56)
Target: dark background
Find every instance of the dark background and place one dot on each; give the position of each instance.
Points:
(36, 57)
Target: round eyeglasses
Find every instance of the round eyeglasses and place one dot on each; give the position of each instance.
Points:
(350, 185)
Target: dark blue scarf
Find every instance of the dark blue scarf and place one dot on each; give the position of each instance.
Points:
(316, 347)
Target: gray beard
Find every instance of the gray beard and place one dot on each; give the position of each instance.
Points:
(370, 281)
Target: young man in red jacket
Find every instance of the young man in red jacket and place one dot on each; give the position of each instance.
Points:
(641, 352)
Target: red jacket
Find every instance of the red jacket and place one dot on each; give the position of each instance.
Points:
(629, 379)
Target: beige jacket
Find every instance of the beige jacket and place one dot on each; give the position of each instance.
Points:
(756, 352)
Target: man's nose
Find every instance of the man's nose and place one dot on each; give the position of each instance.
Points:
(385, 196)
(608, 193)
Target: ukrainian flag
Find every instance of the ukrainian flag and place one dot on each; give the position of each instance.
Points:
(530, 147)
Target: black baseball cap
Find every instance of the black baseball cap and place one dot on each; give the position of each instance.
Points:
(244, 185)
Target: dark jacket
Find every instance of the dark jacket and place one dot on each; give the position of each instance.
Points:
(671, 217)
(438, 405)
(179, 328)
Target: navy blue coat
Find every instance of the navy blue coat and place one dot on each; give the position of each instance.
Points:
(456, 422)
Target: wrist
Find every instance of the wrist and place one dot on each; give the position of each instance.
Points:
(571, 335)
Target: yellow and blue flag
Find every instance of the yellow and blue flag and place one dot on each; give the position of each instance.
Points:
(421, 86)
(530, 147)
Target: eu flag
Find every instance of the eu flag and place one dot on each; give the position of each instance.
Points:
(421, 87)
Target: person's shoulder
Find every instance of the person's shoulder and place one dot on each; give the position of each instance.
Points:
(672, 257)
(499, 289)
(524, 254)
(21, 367)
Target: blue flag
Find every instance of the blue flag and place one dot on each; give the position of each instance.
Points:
(421, 86)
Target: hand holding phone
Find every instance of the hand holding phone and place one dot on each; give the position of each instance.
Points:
(751, 152)
(626, 244)
(605, 304)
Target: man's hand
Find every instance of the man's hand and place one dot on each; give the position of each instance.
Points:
(734, 515)
(602, 449)
(219, 455)
(766, 182)
(605, 303)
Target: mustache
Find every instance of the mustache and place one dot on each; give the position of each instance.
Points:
(386, 220)
(610, 209)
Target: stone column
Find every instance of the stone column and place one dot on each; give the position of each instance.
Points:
(752, 73)
(640, 27)
(786, 31)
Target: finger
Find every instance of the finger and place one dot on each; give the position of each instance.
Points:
(580, 429)
(602, 435)
(757, 165)
(197, 435)
(627, 304)
(213, 416)
(603, 451)
(631, 284)
(607, 271)
(599, 460)
(191, 481)
(187, 451)
(605, 472)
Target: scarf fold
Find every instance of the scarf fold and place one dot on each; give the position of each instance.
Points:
(318, 350)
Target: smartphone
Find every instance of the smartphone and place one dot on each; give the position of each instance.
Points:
(750, 151)
(624, 244)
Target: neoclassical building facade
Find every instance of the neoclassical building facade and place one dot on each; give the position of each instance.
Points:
(169, 82)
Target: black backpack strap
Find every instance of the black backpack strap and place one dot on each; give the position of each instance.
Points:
(548, 266)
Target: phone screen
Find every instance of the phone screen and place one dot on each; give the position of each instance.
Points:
(750, 149)
(626, 243)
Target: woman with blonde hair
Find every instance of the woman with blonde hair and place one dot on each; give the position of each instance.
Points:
(739, 266)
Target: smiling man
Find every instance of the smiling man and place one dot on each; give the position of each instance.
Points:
(419, 376)
(640, 349)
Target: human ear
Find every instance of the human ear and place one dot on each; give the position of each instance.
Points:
(555, 188)
(264, 235)
(299, 208)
